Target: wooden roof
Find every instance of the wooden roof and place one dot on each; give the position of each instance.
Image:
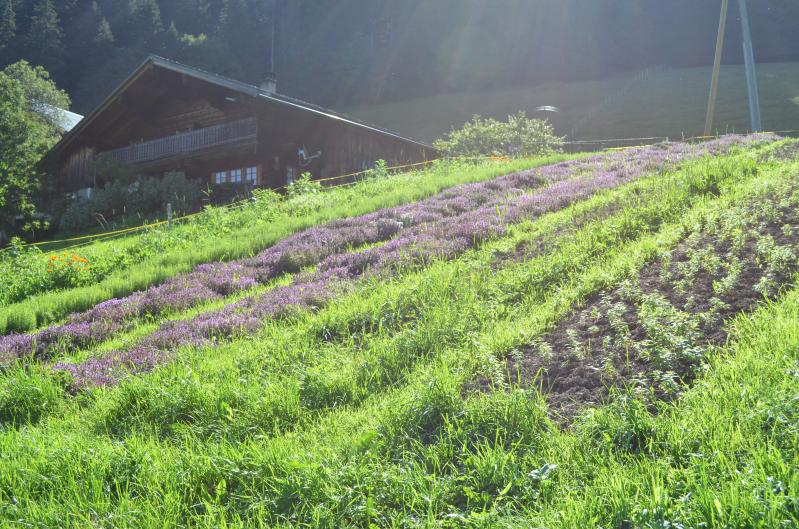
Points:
(222, 82)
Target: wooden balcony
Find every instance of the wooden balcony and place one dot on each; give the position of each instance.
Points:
(187, 143)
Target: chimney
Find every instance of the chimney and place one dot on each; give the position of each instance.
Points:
(269, 84)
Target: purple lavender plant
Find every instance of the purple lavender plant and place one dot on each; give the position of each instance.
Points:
(439, 227)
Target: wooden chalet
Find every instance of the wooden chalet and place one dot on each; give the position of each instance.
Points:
(170, 117)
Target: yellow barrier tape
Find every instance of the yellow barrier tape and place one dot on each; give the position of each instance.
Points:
(240, 203)
(112, 234)
(395, 168)
(98, 235)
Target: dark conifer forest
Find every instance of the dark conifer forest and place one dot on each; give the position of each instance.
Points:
(340, 52)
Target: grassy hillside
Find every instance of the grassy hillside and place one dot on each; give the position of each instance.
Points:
(44, 286)
(603, 342)
(668, 102)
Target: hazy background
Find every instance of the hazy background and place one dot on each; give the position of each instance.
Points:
(423, 65)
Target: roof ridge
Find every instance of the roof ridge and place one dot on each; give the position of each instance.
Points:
(284, 97)
(153, 60)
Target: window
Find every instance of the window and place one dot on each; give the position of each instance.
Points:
(220, 177)
(235, 176)
(252, 175)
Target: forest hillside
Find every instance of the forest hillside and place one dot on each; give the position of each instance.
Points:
(357, 51)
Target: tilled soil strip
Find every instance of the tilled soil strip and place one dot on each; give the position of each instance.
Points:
(653, 333)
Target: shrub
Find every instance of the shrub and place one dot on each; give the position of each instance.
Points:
(146, 193)
(220, 194)
(68, 270)
(144, 196)
(76, 216)
(266, 199)
(520, 136)
(21, 320)
(184, 194)
(303, 186)
(380, 170)
(21, 267)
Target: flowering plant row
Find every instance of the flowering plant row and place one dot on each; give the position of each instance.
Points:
(440, 227)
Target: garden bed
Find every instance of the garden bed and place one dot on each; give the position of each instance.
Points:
(652, 334)
(442, 226)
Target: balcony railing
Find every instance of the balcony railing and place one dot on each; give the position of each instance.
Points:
(235, 132)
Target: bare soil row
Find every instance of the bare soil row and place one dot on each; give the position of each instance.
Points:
(651, 335)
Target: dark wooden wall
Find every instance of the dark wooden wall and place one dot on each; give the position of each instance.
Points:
(78, 169)
(162, 103)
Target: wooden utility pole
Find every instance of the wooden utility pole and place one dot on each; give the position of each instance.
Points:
(714, 82)
(751, 73)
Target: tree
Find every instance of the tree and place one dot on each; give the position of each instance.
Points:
(101, 46)
(144, 22)
(45, 37)
(519, 136)
(29, 125)
(8, 23)
(349, 51)
(104, 36)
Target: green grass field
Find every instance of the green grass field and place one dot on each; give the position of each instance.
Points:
(668, 103)
(34, 296)
(623, 353)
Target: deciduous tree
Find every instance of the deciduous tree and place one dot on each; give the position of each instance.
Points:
(30, 123)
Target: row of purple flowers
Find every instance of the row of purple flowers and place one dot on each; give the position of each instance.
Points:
(440, 227)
